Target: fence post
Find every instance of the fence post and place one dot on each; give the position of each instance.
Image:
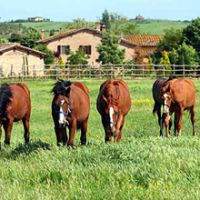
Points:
(122, 72)
(79, 71)
(33, 72)
(11, 72)
(90, 72)
(143, 71)
(183, 71)
(100, 77)
(68, 70)
(1, 68)
(56, 72)
(174, 73)
(131, 71)
(163, 71)
(111, 67)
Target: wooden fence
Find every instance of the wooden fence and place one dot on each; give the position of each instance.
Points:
(128, 71)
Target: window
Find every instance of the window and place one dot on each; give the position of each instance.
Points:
(87, 49)
(64, 49)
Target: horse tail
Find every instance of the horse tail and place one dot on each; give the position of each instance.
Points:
(154, 108)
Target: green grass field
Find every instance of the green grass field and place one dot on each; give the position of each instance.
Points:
(142, 166)
(145, 27)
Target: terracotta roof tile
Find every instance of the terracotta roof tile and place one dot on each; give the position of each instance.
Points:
(7, 47)
(72, 31)
(144, 40)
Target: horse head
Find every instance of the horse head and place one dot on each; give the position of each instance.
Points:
(166, 98)
(62, 91)
(112, 111)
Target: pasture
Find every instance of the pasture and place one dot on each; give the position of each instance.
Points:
(142, 166)
(147, 26)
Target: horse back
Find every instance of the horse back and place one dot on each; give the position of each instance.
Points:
(23, 87)
(183, 91)
(82, 87)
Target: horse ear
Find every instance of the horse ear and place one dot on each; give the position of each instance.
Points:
(104, 98)
(168, 89)
(67, 91)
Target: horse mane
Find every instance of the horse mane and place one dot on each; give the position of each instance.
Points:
(60, 87)
(5, 98)
(108, 90)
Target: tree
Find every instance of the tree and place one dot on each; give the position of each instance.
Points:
(78, 57)
(105, 20)
(172, 39)
(50, 57)
(3, 40)
(184, 55)
(79, 23)
(128, 29)
(109, 53)
(30, 38)
(15, 37)
(191, 34)
(61, 64)
(165, 61)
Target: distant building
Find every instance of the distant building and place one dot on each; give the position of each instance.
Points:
(18, 56)
(36, 19)
(139, 17)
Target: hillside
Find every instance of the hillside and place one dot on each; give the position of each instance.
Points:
(145, 26)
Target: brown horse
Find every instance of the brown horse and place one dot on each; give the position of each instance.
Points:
(70, 108)
(178, 95)
(15, 105)
(113, 103)
(158, 102)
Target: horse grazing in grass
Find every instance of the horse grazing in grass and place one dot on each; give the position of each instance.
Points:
(158, 102)
(70, 108)
(15, 105)
(113, 103)
(178, 95)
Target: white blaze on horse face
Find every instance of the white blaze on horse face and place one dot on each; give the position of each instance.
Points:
(61, 115)
(165, 107)
(111, 112)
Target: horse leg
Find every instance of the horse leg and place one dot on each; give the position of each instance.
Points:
(83, 132)
(26, 123)
(176, 119)
(192, 117)
(120, 130)
(8, 128)
(180, 122)
(72, 131)
(64, 136)
(108, 138)
(58, 134)
(160, 119)
(167, 119)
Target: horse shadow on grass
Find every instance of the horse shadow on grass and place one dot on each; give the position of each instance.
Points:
(25, 150)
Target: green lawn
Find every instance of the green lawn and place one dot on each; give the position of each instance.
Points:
(142, 166)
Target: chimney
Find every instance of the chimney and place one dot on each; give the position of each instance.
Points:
(60, 30)
(103, 28)
(98, 26)
(42, 34)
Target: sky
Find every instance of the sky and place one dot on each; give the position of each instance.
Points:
(91, 10)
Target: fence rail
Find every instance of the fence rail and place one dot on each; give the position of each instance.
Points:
(125, 71)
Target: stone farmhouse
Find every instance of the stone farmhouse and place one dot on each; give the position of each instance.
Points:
(17, 59)
(146, 45)
(89, 39)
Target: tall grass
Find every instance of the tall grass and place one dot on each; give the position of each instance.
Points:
(142, 166)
